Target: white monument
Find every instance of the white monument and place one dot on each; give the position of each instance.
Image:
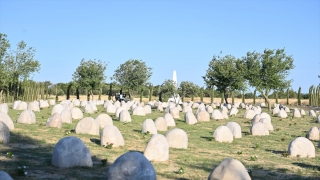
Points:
(176, 97)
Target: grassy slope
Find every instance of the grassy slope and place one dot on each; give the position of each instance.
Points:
(32, 145)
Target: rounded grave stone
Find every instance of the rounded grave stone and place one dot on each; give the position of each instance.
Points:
(235, 129)
(138, 111)
(22, 106)
(131, 166)
(224, 113)
(27, 117)
(4, 133)
(190, 118)
(161, 124)
(4, 108)
(265, 116)
(267, 122)
(157, 148)
(71, 152)
(54, 121)
(170, 121)
(256, 119)
(44, 104)
(216, 115)
(312, 113)
(76, 113)
(52, 102)
(203, 116)
(175, 112)
(302, 112)
(160, 107)
(209, 109)
(301, 147)
(119, 109)
(15, 104)
(234, 111)
(103, 120)
(223, 134)
(229, 169)
(259, 129)
(177, 138)
(313, 134)
(282, 114)
(275, 110)
(87, 125)
(124, 116)
(149, 126)
(66, 116)
(318, 119)
(296, 113)
(111, 108)
(111, 134)
(88, 108)
(147, 109)
(249, 114)
(287, 109)
(7, 120)
(58, 108)
(5, 176)
(186, 108)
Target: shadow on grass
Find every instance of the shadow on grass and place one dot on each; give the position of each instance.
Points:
(36, 155)
(95, 140)
(207, 138)
(276, 151)
(307, 166)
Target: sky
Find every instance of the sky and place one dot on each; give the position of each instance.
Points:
(167, 35)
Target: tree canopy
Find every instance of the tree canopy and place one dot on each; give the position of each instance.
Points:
(90, 74)
(224, 74)
(15, 65)
(167, 89)
(267, 71)
(132, 74)
(188, 88)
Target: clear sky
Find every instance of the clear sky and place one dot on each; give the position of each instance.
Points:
(168, 35)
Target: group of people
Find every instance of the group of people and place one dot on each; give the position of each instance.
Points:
(120, 96)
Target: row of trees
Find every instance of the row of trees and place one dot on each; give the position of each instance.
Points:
(266, 72)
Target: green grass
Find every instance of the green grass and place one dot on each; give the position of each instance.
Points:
(202, 155)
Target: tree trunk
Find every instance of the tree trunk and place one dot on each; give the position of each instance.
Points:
(1, 91)
(232, 96)
(254, 97)
(299, 96)
(222, 98)
(265, 96)
(131, 94)
(212, 95)
(91, 93)
(141, 94)
(225, 96)
(78, 94)
(160, 96)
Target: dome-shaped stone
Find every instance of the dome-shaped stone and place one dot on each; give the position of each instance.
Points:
(161, 124)
(7, 120)
(170, 121)
(124, 116)
(249, 114)
(256, 119)
(71, 152)
(131, 166)
(52, 102)
(104, 120)
(282, 114)
(301, 146)
(138, 111)
(149, 126)
(27, 117)
(4, 133)
(44, 104)
(34, 106)
(111, 108)
(203, 116)
(175, 112)
(313, 134)
(4, 108)
(54, 121)
(87, 125)
(22, 106)
(234, 111)
(76, 113)
(119, 109)
(267, 122)
(157, 148)
(5, 176)
(177, 138)
(235, 129)
(216, 115)
(58, 108)
(186, 108)
(111, 134)
(190, 118)
(229, 169)
(223, 134)
(66, 116)
(259, 129)
(147, 109)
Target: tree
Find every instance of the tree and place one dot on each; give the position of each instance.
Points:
(299, 96)
(132, 74)
(4, 46)
(223, 74)
(188, 88)
(167, 89)
(90, 74)
(17, 65)
(254, 97)
(267, 71)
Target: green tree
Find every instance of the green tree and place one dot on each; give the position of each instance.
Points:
(132, 74)
(267, 71)
(254, 96)
(188, 89)
(168, 89)
(90, 75)
(4, 47)
(212, 94)
(224, 74)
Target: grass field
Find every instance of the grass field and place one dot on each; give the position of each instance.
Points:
(32, 146)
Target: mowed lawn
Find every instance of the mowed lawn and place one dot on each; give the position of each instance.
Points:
(32, 146)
